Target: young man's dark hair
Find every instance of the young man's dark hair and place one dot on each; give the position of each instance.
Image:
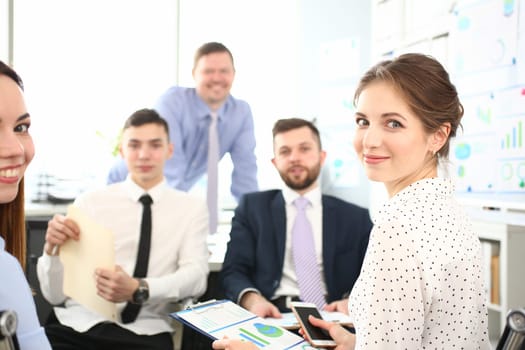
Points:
(146, 116)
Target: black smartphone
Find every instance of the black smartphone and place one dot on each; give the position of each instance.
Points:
(318, 336)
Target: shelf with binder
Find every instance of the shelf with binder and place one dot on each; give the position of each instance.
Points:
(490, 250)
(502, 235)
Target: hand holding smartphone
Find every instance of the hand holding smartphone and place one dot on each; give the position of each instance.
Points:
(318, 336)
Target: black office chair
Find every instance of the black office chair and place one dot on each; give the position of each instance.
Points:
(513, 337)
(8, 324)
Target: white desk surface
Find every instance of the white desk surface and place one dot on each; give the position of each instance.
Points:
(44, 209)
(217, 247)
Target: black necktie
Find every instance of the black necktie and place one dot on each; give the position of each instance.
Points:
(130, 312)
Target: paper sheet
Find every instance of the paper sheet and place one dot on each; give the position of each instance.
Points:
(94, 249)
(289, 321)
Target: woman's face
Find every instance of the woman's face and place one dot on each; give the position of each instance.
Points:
(16, 145)
(390, 139)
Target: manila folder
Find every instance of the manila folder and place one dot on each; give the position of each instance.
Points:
(94, 249)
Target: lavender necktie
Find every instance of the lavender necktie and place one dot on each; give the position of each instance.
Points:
(213, 162)
(304, 257)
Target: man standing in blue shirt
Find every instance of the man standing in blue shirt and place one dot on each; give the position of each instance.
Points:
(188, 112)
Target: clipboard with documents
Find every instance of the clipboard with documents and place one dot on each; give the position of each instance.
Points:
(219, 318)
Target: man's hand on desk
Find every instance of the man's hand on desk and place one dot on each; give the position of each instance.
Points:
(338, 305)
(257, 304)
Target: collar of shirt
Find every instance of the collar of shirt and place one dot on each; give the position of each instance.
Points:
(135, 191)
(430, 187)
(204, 111)
(314, 196)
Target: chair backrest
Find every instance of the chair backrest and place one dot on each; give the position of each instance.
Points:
(8, 324)
(513, 337)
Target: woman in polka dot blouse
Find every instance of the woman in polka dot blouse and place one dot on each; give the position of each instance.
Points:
(421, 284)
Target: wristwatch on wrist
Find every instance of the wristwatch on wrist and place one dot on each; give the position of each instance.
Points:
(141, 295)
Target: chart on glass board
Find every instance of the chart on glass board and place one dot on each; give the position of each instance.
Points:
(487, 67)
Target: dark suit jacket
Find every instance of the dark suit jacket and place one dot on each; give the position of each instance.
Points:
(255, 254)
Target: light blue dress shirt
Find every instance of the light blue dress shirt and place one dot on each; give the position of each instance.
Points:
(188, 118)
(15, 295)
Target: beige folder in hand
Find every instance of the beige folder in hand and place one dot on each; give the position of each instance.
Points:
(94, 249)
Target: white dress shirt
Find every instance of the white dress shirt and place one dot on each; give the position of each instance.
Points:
(178, 265)
(421, 283)
(314, 213)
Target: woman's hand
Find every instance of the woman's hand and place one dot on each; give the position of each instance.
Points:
(233, 344)
(343, 338)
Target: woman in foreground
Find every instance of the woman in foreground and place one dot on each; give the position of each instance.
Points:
(421, 284)
(16, 152)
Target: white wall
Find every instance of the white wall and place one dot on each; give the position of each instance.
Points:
(87, 65)
(4, 31)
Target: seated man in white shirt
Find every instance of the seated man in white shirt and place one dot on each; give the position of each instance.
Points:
(177, 266)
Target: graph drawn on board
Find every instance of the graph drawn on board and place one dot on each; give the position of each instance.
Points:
(337, 127)
(484, 35)
(490, 156)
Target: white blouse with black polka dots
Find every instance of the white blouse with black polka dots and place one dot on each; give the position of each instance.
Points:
(421, 284)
